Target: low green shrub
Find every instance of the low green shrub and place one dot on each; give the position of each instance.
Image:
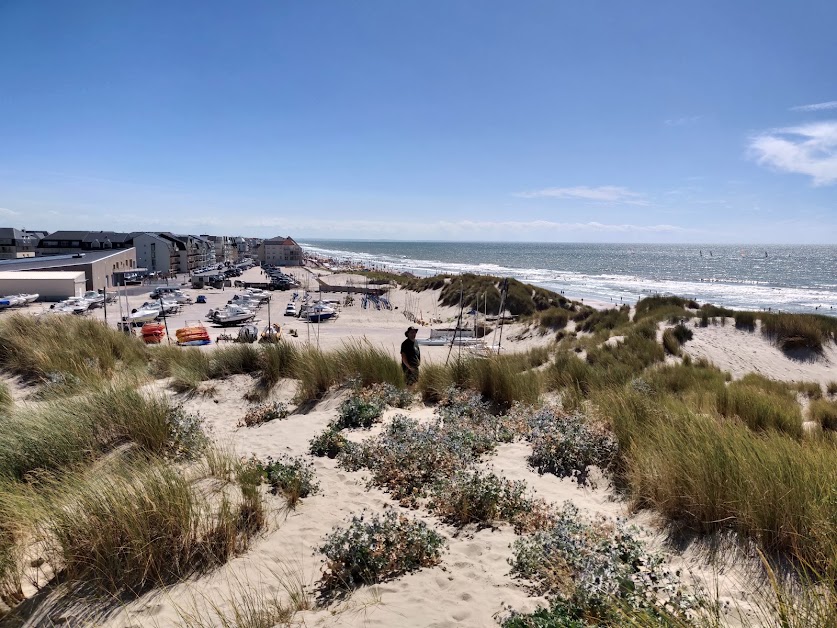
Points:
(568, 444)
(328, 443)
(473, 496)
(292, 477)
(358, 412)
(824, 412)
(388, 395)
(408, 457)
(377, 548)
(264, 413)
(831, 388)
(186, 436)
(595, 572)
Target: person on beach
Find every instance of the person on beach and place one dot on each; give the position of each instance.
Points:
(410, 356)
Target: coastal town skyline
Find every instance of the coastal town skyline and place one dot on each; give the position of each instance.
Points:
(433, 122)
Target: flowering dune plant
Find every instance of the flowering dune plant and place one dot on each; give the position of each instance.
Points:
(377, 548)
(597, 569)
(568, 444)
(264, 413)
(483, 498)
(408, 456)
(292, 477)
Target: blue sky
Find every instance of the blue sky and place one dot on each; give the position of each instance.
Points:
(543, 120)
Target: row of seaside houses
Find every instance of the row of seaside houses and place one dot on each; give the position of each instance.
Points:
(110, 257)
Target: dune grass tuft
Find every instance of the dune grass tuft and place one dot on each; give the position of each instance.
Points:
(670, 342)
(72, 352)
(62, 434)
(659, 308)
(745, 320)
(140, 523)
(824, 412)
(794, 331)
(761, 409)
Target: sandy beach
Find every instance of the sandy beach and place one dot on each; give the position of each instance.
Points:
(473, 585)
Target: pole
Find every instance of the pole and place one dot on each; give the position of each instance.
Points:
(502, 316)
(165, 320)
(458, 320)
(106, 300)
(119, 300)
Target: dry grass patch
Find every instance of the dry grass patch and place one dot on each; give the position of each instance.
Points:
(139, 523)
(824, 413)
(68, 352)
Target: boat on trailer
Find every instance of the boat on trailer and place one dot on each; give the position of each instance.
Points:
(443, 337)
(232, 315)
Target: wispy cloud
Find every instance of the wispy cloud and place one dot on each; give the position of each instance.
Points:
(682, 121)
(603, 194)
(458, 227)
(820, 106)
(8, 212)
(810, 149)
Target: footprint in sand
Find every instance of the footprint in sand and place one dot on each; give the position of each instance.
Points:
(460, 615)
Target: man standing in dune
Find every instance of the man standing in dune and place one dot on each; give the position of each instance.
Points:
(410, 356)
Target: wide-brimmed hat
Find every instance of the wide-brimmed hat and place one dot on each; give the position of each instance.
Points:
(409, 329)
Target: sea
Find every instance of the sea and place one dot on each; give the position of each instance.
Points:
(788, 278)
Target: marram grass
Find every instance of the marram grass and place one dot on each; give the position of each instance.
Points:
(140, 523)
(62, 434)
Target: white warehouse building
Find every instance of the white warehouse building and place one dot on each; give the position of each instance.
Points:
(50, 285)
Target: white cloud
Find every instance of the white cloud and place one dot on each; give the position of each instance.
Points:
(682, 121)
(8, 212)
(820, 106)
(470, 228)
(541, 225)
(605, 193)
(810, 149)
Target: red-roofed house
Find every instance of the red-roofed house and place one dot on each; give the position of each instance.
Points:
(280, 252)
